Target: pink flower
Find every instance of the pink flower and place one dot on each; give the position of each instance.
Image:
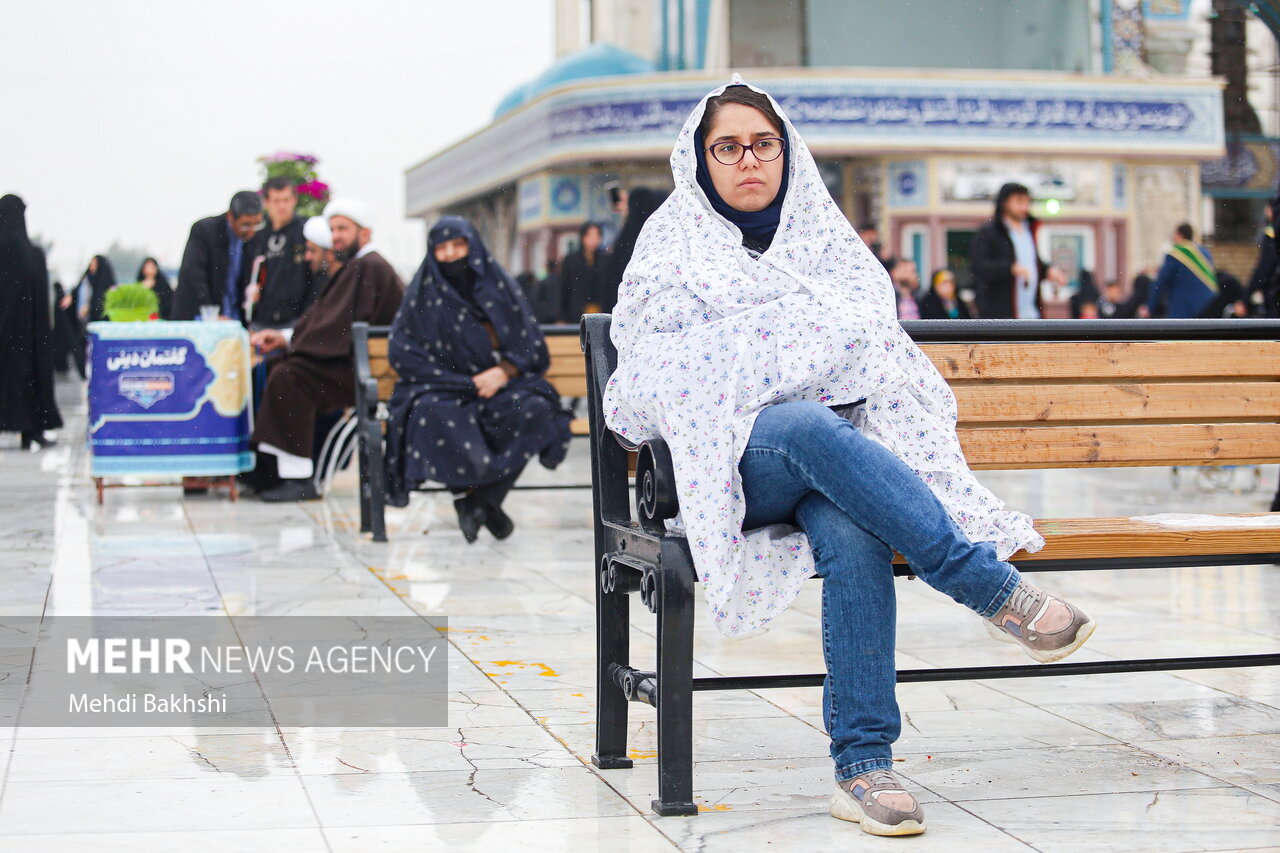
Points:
(318, 190)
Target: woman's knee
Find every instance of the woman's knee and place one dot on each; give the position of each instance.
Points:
(833, 535)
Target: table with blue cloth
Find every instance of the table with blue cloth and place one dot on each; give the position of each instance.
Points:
(169, 399)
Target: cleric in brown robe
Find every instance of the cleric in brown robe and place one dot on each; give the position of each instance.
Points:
(311, 371)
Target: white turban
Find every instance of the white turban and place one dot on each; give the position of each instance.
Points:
(353, 209)
(316, 230)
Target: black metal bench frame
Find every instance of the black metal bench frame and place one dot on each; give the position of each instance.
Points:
(640, 556)
(370, 414)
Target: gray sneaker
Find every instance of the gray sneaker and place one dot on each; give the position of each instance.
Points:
(880, 802)
(1047, 628)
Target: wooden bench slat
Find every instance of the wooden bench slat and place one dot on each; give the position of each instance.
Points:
(1120, 537)
(1118, 446)
(1003, 403)
(569, 386)
(564, 345)
(1105, 360)
(379, 368)
(1089, 538)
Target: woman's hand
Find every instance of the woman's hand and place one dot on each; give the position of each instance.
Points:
(489, 382)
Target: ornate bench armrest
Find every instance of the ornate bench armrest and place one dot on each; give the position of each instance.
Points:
(656, 496)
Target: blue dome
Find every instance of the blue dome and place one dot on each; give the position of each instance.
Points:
(598, 60)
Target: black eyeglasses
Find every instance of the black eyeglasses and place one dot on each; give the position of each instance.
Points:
(731, 153)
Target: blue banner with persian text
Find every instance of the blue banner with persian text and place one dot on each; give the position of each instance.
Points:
(169, 398)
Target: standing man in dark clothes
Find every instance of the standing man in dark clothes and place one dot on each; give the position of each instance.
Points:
(215, 264)
(1007, 269)
(1264, 284)
(545, 295)
(642, 202)
(313, 371)
(870, 234)
(68, 337)
(583, 276)
(282, 288)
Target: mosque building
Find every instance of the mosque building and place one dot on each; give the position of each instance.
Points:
(916, 112)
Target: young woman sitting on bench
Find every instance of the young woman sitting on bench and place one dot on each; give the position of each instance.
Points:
(757, 335)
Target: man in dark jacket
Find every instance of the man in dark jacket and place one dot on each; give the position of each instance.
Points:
(1007, 270)
(1188, 280)
(215, 263)
(1264, 284)
(282, 287)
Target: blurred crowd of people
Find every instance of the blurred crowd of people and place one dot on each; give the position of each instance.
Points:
(1007, 272)
(587, 280)
(471, 407)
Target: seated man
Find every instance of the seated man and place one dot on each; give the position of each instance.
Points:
(314, 370)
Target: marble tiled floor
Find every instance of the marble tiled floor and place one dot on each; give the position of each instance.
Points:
(1159, 762)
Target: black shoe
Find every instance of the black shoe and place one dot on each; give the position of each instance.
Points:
(498, 522)
(291, 490)
(36, 438)
(470, 516)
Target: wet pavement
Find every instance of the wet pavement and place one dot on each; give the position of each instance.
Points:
(1163, 762)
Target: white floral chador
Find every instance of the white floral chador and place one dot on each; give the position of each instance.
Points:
(708, 335)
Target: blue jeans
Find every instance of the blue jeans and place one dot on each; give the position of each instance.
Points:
(858, 503)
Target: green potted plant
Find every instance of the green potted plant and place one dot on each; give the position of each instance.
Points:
(127, 303)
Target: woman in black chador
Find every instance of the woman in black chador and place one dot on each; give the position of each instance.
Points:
(641, 204)
(153, 278)
(91, 293)
(471, 406)
(27, 403)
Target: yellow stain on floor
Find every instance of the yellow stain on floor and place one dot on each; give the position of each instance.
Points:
(546, 670)
(642, 754)
(714, 807)
(379, 574)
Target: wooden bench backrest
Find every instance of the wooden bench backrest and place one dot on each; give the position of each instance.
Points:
(567, 373)
(1073, 404)
(1066, 405)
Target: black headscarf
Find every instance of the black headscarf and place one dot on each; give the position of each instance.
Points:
(13, 232)
(99, 283)
(14, 254)
(641, 204)
(758, 226)
(26, 334)
(437, 339)
(163, 290)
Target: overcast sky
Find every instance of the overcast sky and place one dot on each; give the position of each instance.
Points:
(128, 120)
